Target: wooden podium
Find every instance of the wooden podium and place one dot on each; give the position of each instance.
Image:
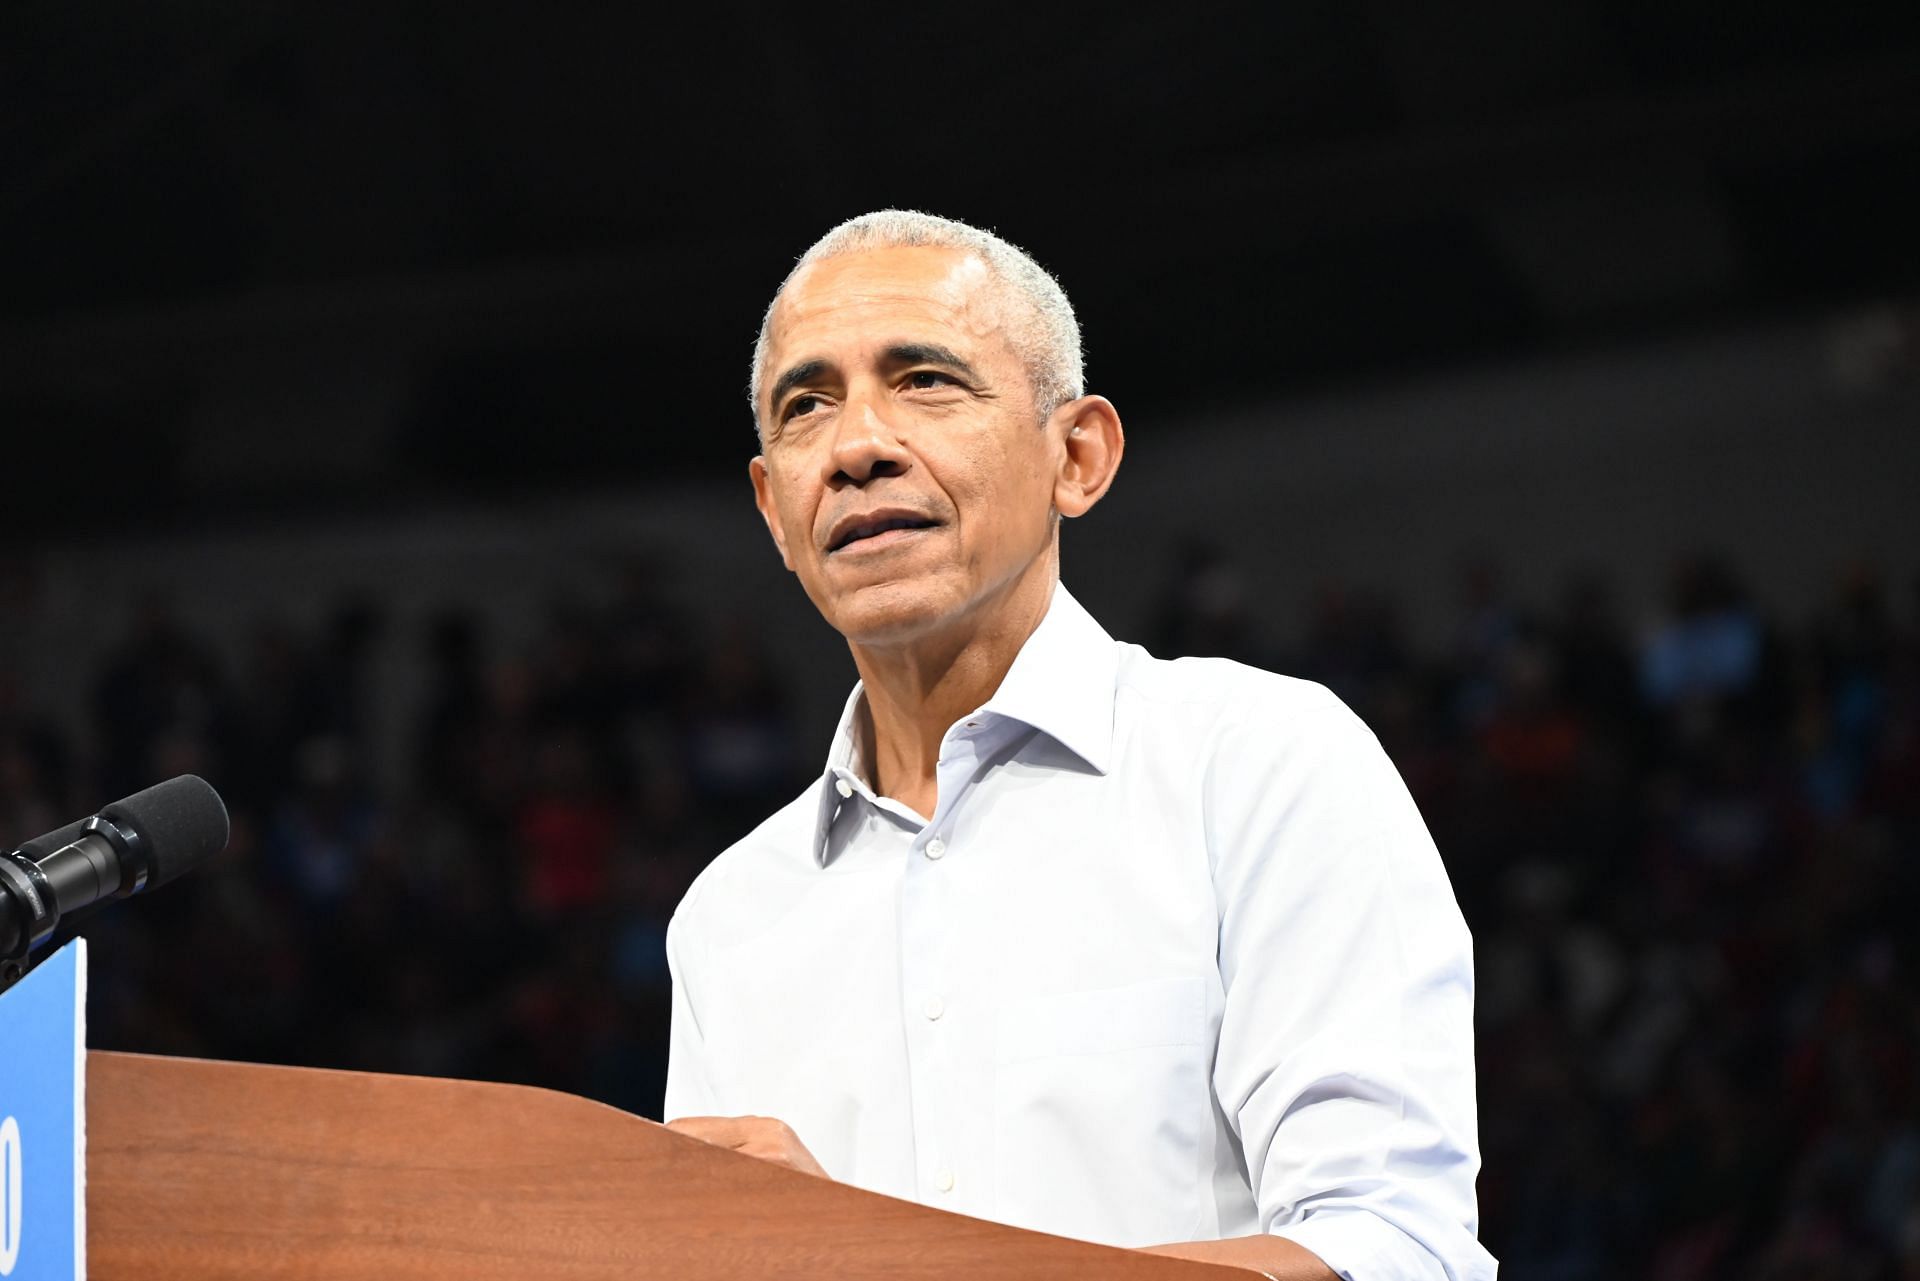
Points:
(199, 1170)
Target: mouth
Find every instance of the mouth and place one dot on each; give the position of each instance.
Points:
(876, 530)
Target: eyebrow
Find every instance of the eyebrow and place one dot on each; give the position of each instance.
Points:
(804, 372)
(918, 353)
(905, 353)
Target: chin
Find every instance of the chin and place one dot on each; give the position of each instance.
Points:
(891, 613)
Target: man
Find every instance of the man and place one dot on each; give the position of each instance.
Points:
(1151, 953)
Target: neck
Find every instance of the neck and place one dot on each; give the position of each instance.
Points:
(916, 690)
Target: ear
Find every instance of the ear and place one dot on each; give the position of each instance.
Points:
(763, 499)
(1092, 443)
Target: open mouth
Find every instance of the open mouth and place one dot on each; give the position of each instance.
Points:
(868, 531)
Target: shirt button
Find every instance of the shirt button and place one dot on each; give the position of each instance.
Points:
(936, 847)
(944, 1180)
(843, 787)
(934, 1007)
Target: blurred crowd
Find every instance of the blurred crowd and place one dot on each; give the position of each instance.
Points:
(1690, 854)
(499, 915)
(1688, 847)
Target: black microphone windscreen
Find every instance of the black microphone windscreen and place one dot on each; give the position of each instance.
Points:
(183, 821)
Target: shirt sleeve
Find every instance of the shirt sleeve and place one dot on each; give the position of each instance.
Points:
(690, 1089)
(1345, 1056)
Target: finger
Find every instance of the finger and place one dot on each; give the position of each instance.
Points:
(780, 1154)
(787, 1149)
(762, 1137)
(724, 1131)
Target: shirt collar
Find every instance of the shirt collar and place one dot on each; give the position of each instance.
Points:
(1061, 683)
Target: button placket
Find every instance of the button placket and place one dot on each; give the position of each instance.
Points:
(926, 921)
(939, 1104)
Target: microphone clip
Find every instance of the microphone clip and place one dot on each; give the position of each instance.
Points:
(39, 911)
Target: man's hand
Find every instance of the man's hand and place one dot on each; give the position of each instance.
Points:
(760, 1136)
(1275, 1257)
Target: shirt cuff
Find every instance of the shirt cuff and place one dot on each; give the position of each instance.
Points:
(1363, 1247)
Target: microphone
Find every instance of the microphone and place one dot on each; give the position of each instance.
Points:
(138, 843)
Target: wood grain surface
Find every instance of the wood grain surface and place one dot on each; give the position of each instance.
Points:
(200, 1170)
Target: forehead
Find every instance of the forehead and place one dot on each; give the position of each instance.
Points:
(851, 301)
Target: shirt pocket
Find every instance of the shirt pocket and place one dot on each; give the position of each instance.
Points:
(1101, 1110)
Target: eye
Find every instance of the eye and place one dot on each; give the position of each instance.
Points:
(800, 406)
(927, 379)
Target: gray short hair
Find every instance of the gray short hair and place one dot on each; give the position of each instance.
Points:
(1048, 340)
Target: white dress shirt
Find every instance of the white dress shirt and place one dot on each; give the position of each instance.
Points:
(1174, 959)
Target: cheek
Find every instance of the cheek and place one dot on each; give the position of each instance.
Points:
(1007, 491)
(795, 505)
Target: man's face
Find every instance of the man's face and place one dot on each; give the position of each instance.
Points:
(905, 476)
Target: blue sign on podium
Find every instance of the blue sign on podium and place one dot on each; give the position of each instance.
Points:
(43, 1204)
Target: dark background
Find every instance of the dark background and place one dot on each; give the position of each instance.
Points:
(1542, 377)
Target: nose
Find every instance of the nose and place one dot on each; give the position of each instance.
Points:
(865, 445)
